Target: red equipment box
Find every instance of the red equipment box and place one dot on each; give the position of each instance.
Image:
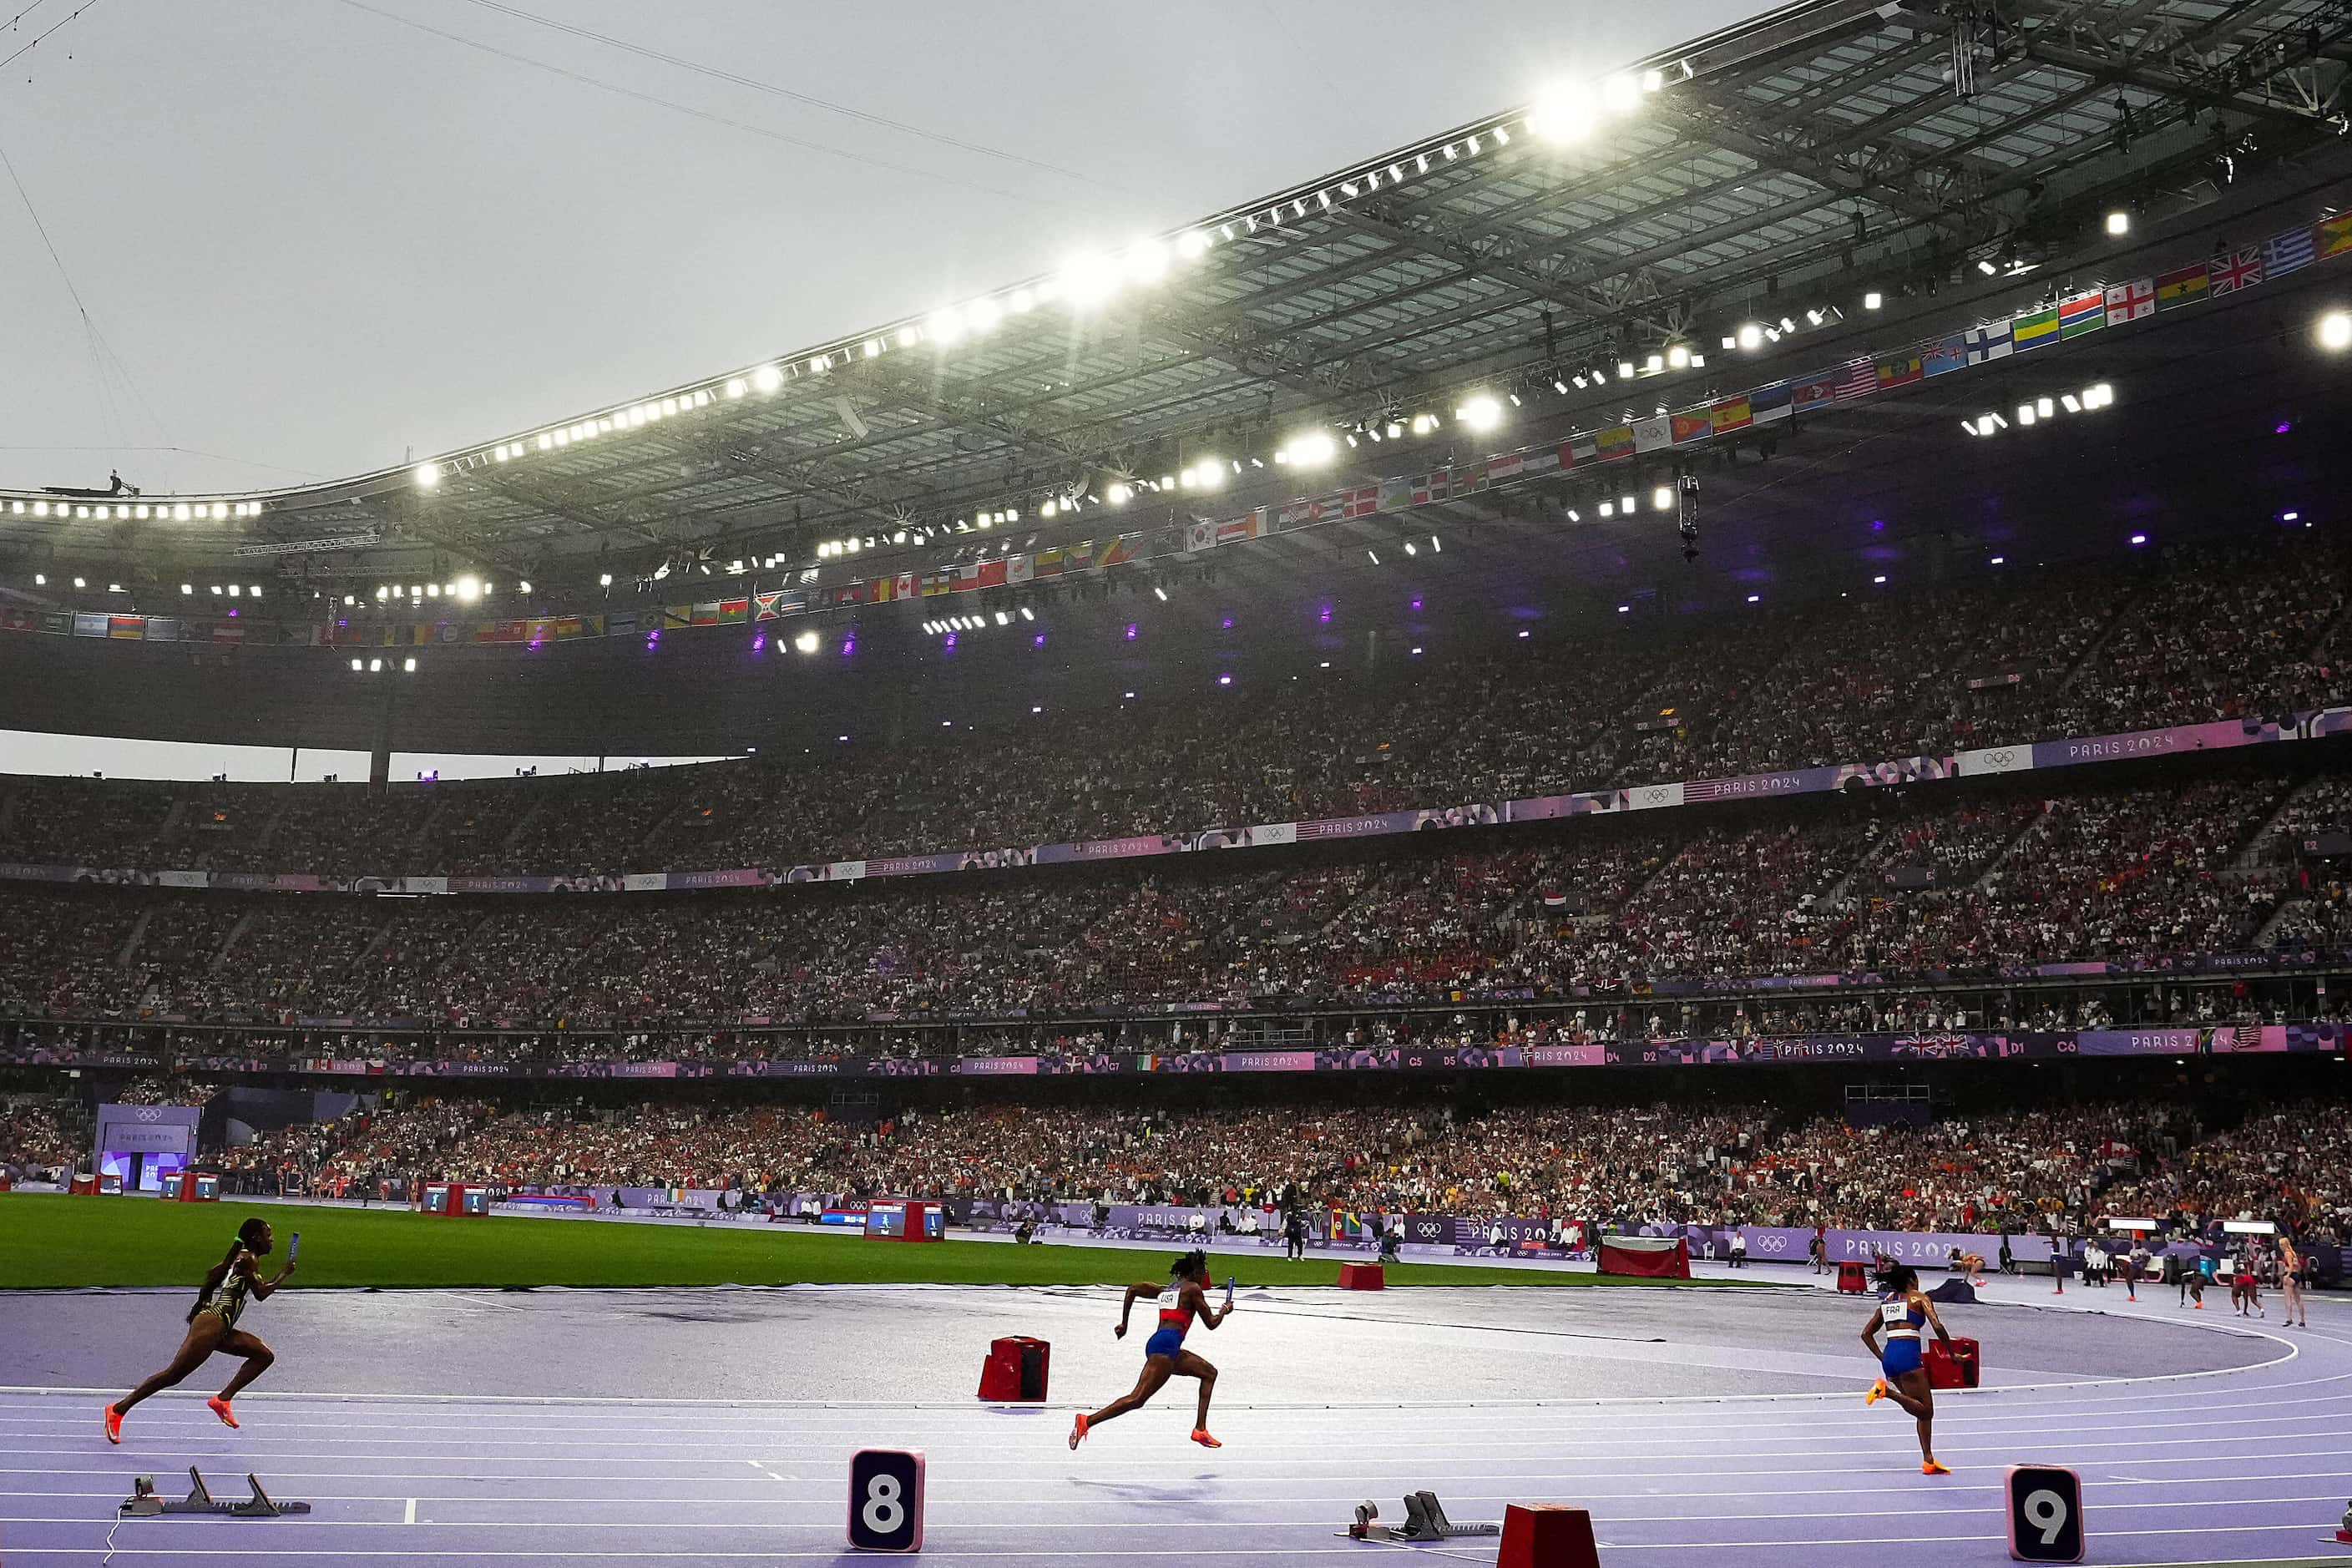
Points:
(1362, 1277)
(452, 1200)
(1015, 1371)
(1546, 1535)
(916, 1219)
(1854, 1279)
(199, 1187)
(1956, 1366)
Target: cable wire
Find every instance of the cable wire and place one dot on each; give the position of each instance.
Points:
(657, 100)
(28, 49)
(827, 105)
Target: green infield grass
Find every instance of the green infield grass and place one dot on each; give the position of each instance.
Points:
(58, 1241)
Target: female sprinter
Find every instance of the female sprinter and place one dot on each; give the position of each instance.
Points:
(1902, 1312)
(2294, 1273)
(212, 1326)
(1164, 1355)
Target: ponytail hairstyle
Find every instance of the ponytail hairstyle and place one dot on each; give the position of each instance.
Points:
(1193, 1262)
(1902, 1278)
(246, 1233)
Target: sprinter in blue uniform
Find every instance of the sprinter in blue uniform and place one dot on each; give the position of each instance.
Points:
(1902, 1312)
(1164, 1355)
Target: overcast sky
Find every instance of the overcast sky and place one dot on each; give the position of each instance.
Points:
(311, 236)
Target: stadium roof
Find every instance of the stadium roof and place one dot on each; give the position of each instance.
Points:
(1793, 161)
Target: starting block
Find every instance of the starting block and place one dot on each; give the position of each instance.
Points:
(143, 1503)
(2343, 1536)
(1425, 1520)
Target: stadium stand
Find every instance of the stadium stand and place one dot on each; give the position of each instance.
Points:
(2096, 650)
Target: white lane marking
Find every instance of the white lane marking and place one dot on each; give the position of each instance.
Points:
(634, 1429)
(1644, 1494)
(601, 1453)
(408, 1515)
(1857, 1427)
(825, 1510)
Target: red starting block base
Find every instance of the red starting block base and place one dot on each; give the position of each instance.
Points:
(1362, 1277)
(1546, 1535)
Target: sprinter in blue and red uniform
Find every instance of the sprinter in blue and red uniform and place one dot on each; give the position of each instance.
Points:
(1902, 1312)
(1164, 1355)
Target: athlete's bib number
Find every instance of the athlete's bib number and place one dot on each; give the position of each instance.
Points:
(1894, 1314)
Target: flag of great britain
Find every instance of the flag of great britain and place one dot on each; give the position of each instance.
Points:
(2231, 273)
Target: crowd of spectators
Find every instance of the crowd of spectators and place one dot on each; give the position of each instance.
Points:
(2046, 1171)
(1894, 885)
(2219, 635)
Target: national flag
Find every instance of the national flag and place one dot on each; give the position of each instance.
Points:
(90, 624)
(1200, 535)
(2241, 269)
(2182, 286)
(227, 631)
(706, 614)
(2285, 253)
(1615, 442)
(764, 605)
(1733, 414)
(1812, 390)
(2082, 314)
(676, 616)
(1246, 527)
(1079, 556)
(1541, 460)
(1123, 548)
(163, 628)
(1432, 487)
(1020, 568)
(980, 574)
(1988, 341)
(1653, 434)
(934, 584)
(130, 628)
(2332, 236)
(1899, 369)
(1502, 470)
(1945, 357)
(2130, 302)
(1395, 495)
(574, 627)
(620, 622)
(733, 610)
(1693, 425)
(1555, 900)
(1768, 404)
(2034, 329)
(1858, 377)
(1362, 501)
(1297, 513)
(903, 585)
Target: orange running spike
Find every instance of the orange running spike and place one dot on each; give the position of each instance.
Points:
(1877, 1392)
(219, 1407)
(1078, 1432)
(114, 1424)
(1933, 1468)
(1200, 1435)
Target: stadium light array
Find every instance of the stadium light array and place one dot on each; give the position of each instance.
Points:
(2334, 331)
